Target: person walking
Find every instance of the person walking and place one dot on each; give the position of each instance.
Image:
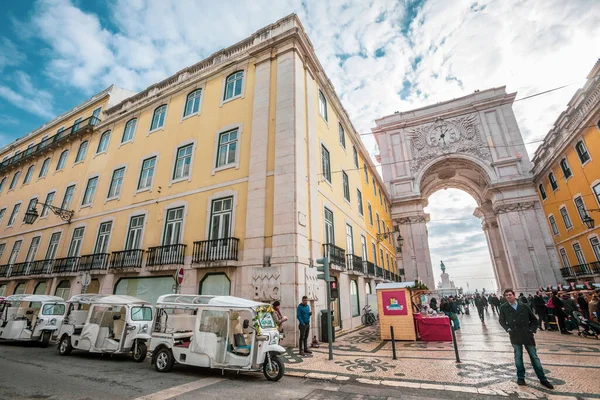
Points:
(520, 323)
(303, 314)
(453, 312)
(496, 303)
(480, 304)
(541, 311)
(583, 305)
(559, 312)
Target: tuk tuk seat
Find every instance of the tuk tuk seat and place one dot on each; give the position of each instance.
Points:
(237, 338)
(181, 323)
(77, 318)
(119, 326)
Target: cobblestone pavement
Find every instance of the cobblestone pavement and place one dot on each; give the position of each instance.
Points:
(571, 363)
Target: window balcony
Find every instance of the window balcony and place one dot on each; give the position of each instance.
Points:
(355, 264)
(336, 255)
(172, 254)
(378, 272)
(72, 132)
(94, 262)
(581, 271)
(19, 269)
(370, 268)
(4, 270)
(65, 265)
(126, 259)
(215, 250)
(41, 267)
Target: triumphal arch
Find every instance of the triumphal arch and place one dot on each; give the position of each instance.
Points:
(471, 143)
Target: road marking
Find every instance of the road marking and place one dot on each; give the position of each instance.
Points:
(181, 389)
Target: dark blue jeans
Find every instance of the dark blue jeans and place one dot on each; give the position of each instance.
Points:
(535, 362)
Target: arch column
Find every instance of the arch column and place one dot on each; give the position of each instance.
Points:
(416, 258)
(497, 253)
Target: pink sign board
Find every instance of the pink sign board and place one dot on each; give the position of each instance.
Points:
(394, 302)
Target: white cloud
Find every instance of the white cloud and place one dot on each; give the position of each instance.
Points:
(27, 97)
(10, 56)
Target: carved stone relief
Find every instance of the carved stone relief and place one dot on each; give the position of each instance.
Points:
(505, 208)
(413, 219)
(312, 283)
(444, 136)
(266, 283)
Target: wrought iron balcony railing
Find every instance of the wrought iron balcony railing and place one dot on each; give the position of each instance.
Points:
(126, 259)
(215, 250)
(378, 271)
(19, 269)
(41, 267)
(370, 268)
(588, 269)
(172, 254)
(66, 264)
(4, 270)
(336, 255)
(81, 127)
(355, 264)
(93, 262)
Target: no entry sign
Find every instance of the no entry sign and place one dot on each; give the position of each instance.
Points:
(179, 276)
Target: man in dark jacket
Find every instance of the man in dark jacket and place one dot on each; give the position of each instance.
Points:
(583, 305)
(303, 316)
(520, 323)
(480, 303)
(559, 312)
(540, 310)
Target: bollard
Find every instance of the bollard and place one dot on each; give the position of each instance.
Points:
(455, 345)
(393, 343)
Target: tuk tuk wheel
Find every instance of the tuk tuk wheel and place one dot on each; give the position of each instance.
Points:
(139, 351)
(164, 360)
(45, 339)
(273, 370)
(64, 347)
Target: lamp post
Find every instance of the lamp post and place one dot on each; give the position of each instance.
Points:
(32, 215)
(589, 221)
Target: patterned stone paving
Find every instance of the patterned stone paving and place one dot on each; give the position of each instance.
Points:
(571, 363)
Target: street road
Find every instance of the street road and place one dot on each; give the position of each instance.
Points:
(30, 372)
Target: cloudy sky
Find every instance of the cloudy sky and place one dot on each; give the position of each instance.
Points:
(381, 55)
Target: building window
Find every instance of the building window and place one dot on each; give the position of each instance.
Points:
(380, 197)
(329, 227)
(378, 223)
(192, 103)
(361, 210)
(553, 225)
(103, 236)
(184, 159)
(233, 85)
(582, 152)
(33, 247)
(552, 180)
(226, 153)
(28, 174)
(564, 165)
(96, 115)
(116, 183)
(147, 173)
(354, 298)
(2, 182)
(363, 246)
(322, 105)
(542, 191)
(76, 124)
(81, 152)
(62, 160)
(90, 190)
(578, 253)
(14, 254)
(374, 186)
(566, 219)
(355, 155)
(49, 200)
(14, 181)
(368, 288)
(349, 240)
(346, 186)
(134, 234)
(215, 284)
(580, 207)
(173, 226)
(32, 203)
(129, 130)
(53, 246)
(45, 167)
(66, 203)
(2, 212)
(158, 118)
(103, 143)
(381, 258)
(2, 248)
(370, 210)
(221, 213)
(63, 289)
(342, 135)
(374, 253)
(325, 164)
(597, 193)
(366, 173)
(595, 243)
(76, 240)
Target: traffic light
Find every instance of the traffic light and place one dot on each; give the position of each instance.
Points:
(333, 287)
(323, 266)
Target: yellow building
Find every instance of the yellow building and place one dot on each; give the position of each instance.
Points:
(567, 175)
(243, 168)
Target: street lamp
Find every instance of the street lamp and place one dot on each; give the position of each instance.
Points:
(400, 240)
(589, 221)
(32, 215)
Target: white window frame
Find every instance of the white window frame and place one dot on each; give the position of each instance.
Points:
(3, 183)
(553, 225)
(359, 199)
(174, 222)
(64, 205)
(596, 184)
(89, 204)
(79, 158)
(119, 188)
(60, 159)
(187, 177)
(106, 133)
(135, 121)
(329, 228)
(342, 135)
(355, 157)
(141, 170)
(370, 212)
(187, 98)
(77, 249)
(322, 102)
(32, 203)
(103, 237)
(346, 186)
(13, 214)
(50, 250)
(15, 181)
(2, 213)
(164, 121)
(28, 174)
(134, 230)
(567, 215)
(226, 76)
(14, 253)
(33, 248)
(579, 253)
(585, 152)
(46, 169)
(366, 173)
(568, 167)
(326, 176)
(220, 214)
(221, 195)
(564, 257)
(595, 245)
(542, 191)
(50, 197)
(578, 209)
(553, 179)
(236, 164)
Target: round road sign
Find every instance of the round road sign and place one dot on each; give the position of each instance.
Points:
(86, 279)
(179, 276)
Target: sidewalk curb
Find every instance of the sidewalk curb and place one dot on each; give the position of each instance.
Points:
(426, 386)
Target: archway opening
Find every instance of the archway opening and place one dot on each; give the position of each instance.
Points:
(456, 238)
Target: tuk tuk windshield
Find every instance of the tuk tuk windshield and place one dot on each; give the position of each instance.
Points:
(141, 313)
(266, 320)
(53, 309)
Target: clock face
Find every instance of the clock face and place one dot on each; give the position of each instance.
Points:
(442, 134)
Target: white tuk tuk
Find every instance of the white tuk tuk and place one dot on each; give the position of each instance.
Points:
(31, 317)
(223, 332)
(111, 324)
